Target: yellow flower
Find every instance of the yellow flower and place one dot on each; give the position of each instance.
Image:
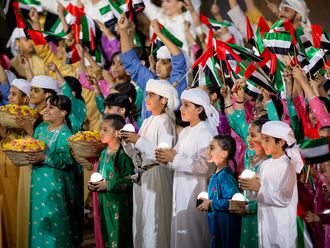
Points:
(27, 144)
(19, 110)
(92, 136)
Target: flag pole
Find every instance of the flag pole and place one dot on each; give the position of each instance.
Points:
(194, 80)
(177, 82)
(307, 175)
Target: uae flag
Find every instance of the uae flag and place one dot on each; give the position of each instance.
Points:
(58, 26)
(72, 55)
(249, 33)
(138, 5)
(245, 53)
(258, 78)
(261, 30)
(315, 150)
(118, 7)
(211, 73)
(215, 25)
(251, 88)
(107, 15)
(320, 38)
(28, 4)
(168, 35)
(21, 21)
(316, 58)
(278, 43)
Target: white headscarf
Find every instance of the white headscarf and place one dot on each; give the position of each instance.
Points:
(281, 130)
(164, 89)
(163, 53)
(46, 82)
(23, 85)
(200, 97)
(300, 7)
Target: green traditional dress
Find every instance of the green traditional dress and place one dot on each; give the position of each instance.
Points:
(55, 209)
(237, 121)
(115, 203)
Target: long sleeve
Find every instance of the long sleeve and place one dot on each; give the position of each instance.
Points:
(109, 46)
(44, 52)
(278, 194)
(238, 123)
(139, 73)
(295, 121)
(197, 164)
(84, 82)
(228, 188)
(179, 69)
(99, 100)
(317, 106)
(58, 155)
(148, 149)
(124, 170)
(4, 91)
(271, 111)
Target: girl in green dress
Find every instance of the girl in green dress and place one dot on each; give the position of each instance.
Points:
(114, 191)
(54, 207)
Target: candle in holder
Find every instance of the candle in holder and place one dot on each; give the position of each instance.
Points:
(236, 202)
(202, 195)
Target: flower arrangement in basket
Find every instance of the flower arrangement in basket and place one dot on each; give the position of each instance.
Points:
(86, 146)
(18, 149)
(10, 112)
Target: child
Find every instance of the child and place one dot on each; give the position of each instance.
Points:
(255, 155)
(54, 218)
(9, 173)
(187, 159)
(171, 67)
(223, 225)
(115, 190)
(71, 88)
(152, 200)
(116, 103)
(277, 188)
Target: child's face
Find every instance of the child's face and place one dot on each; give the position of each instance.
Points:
(26, 45)
(153, 102)
(254, 139)
(189, 112)
(269, 145)
(216, 154)
(107, 132)
(163, 68)
(171, 7)
(52, 113)
(16, 96)
(117, 69)
(37, 95)
(114, 110)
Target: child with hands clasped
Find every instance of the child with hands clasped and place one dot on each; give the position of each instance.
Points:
(189, 161)
(113, 206)
(224, 226)
(276, 186)
(153, 198)
(54, 187)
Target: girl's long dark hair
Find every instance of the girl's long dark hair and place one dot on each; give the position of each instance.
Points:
(62, 103)
(75, 86)
(228, 143)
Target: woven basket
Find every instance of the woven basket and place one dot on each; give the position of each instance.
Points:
(18, 158)
(8, 120)
(83, 149)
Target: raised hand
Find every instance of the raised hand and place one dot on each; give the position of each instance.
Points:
(123, 23)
